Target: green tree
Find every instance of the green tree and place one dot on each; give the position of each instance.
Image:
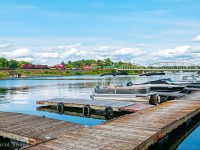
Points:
(22, 62)
(100, 63)
(13, 64)
(108, 62)
(3, 63)
(63, 63)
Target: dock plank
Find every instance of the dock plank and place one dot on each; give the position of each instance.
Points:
(94, 104)
(135, 131)
(32, 129)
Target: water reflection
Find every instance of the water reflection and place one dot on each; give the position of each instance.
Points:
(21, 96)
(96, 114)
(176, 138)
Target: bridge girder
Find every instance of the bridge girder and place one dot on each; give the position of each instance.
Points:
(162, 66)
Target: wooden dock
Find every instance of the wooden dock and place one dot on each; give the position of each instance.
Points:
(32, 129)
(135, 131)
(117, 106)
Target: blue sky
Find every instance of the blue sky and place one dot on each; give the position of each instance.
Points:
(141, 31)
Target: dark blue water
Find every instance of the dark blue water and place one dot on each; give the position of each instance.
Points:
(192, 142)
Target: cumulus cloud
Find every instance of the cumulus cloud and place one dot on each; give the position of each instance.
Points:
(128, 54)
(28, 59)
(127, 51)
(47, 55)
(30, 56)
(21, 52)
(18, 53)
(69, 53)
(178, 51)
(197, 38)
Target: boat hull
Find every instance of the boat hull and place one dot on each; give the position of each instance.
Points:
(122, 97)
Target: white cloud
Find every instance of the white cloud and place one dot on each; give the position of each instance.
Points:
(180, 50)
(197, 38)
(48, 55)
(30, 56)
(104, 48)
(18, 53)
(28, 59)
(69, 53)
(128, 54)
(127, 51)
(21, 52)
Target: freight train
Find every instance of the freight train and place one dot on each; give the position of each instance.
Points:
(30, 66)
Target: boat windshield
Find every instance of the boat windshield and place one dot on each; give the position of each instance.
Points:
(113, 80)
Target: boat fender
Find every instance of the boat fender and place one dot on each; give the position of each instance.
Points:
(108, 112)
(86, 110)
(154, 99)
(96, 89)
(60, 108)
(129, 84)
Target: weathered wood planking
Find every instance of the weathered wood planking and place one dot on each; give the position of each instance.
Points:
(32, 129)
(134, 131)
(94, 104)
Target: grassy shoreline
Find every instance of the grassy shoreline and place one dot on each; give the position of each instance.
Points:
(52, 72)
(3, 75)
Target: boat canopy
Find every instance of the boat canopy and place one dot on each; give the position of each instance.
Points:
(152, 74)
(114, 74)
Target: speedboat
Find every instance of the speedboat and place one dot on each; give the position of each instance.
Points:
(187, 79)
(161, 85)
(127, 91)
(111, 90)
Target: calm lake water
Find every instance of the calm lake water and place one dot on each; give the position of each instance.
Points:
(20, 95)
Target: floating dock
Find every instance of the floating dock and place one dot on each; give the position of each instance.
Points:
(134, 131)
(117, 106)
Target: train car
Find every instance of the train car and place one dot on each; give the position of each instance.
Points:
(59, 66)
(30, 66)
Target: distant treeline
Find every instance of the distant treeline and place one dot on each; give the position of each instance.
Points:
(11, 64)
(95, 64)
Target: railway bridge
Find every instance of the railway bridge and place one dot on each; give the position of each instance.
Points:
(162, 66)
